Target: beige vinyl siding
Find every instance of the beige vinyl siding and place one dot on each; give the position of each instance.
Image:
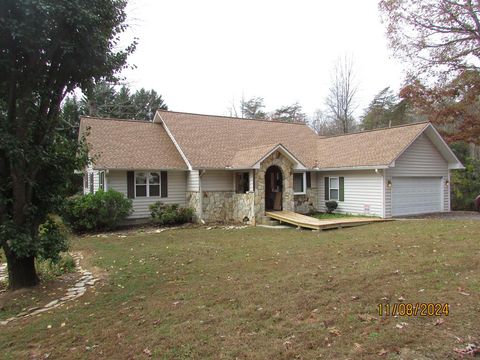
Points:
(387, 195)
(361, 188)
(217, 180)
(177, 185)
(192, 180)
(421, 159)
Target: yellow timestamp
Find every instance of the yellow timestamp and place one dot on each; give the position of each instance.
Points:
(413, 309)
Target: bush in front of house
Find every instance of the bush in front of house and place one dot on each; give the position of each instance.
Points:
(331, 206)
(163, 214)
(104, 210)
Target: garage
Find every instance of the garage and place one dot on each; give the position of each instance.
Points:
(416, 195)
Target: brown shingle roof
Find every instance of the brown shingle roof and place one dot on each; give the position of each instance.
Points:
(214, 141)
(368, 148)
(126, 144)
(219, 142)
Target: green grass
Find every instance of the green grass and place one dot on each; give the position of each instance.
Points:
(260, 293)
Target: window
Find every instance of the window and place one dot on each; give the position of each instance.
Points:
(101, 180)
(334, 188)
(85, 180)
(90, 183)
(154, 184)
(242, 182)
(309, 180)
(299, 180)
(147, 184)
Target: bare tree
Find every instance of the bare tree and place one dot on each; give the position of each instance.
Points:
(434, 34)
(341, 99)
(323, 125)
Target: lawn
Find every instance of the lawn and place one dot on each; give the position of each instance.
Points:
(260, 293)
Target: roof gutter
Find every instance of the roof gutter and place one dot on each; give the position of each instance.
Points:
(374, 167)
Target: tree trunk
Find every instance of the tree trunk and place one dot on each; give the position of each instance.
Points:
(21, 272)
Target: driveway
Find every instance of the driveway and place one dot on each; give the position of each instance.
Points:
(452, 215)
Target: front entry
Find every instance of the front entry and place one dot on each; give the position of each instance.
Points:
(273, 188)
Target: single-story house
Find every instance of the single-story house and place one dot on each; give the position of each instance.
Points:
(231, 169)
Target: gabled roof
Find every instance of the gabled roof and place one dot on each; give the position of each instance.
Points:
(210, 141)
(377, 148)
(192, 141)
(252, 157)
(129, 144)
(368, 148)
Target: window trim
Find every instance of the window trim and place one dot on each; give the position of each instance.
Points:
(147, 184)
(337, 188)
(304, 184)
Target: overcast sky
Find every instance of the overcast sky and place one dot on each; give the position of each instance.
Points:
(200, 55)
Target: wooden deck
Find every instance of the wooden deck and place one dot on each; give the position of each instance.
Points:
(309, 222)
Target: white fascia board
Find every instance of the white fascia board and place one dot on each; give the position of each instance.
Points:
(179, 149)
(442, 146)
(297, 163)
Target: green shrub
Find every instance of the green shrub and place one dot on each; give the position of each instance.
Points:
(163, 214)
(103, 210)
(331, 206)
(53, 240)
(49, 270)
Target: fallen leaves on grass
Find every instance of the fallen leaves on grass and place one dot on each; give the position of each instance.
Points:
(366, 317)
(334, 331)
(382, 352)
(470, 349)
(147, 352)
(462, 291)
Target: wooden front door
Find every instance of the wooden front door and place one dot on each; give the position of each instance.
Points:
(273, 188)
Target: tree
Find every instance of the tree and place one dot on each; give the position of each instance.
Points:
(253, 108)
(341, 98)
(323, 125)
(48, 48)
(454, 106)
(248, 109)
(146, 103)
(386, 110)
(289, 113)
(104, 100)
(440, 35)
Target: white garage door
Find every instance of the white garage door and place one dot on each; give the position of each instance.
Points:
(416, 195)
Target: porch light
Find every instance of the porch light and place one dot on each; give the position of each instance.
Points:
(447, 182)
(389, 183)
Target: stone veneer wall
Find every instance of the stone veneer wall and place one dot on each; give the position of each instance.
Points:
(227, 206)
(193, 201)
(286, 167)
(306, 204)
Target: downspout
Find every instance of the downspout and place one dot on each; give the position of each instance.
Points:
(254, 220)
(200, 174)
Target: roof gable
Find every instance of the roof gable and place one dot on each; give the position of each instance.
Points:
(130, 144)
(217, 141)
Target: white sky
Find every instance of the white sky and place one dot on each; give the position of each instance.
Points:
(200, 55)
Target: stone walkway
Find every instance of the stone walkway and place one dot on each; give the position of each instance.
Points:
(3, 272)
(86, 280)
